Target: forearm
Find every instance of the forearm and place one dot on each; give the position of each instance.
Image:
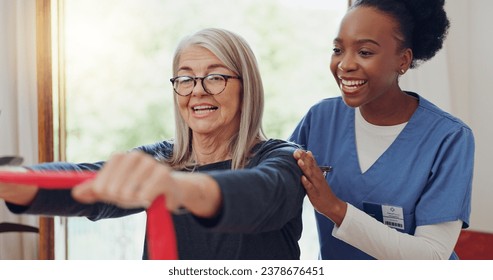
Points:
(383, 242)
(23, 195)
(18, 194)
(199, 193)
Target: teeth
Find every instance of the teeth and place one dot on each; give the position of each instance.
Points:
(352, 82)
(203, 109)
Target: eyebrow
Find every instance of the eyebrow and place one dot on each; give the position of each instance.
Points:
(360, 41)
(212, 66)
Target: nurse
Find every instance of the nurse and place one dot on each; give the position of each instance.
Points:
(402, 168)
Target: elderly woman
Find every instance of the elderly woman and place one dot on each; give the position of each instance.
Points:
(235, 193)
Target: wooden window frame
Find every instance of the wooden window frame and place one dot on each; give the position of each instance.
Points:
(45, 114)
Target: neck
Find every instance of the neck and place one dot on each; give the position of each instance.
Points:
(393, 111)
(207, 149)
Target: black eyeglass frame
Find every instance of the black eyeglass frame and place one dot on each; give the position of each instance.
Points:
(226, 78)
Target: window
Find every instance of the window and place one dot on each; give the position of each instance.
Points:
(117, 64)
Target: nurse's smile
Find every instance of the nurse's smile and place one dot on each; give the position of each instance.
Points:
(351, 86)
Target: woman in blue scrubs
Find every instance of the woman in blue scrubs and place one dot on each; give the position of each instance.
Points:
(402, 168)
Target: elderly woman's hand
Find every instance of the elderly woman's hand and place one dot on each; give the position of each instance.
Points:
(128, 180)
(17, 194)
(136, 179)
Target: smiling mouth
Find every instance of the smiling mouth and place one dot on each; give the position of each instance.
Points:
(352, 84)
(204, 109)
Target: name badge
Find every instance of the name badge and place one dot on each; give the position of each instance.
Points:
(392, 216)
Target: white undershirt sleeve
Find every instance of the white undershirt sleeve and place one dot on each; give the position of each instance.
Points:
(382, 242)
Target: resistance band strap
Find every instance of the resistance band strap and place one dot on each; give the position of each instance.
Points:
(160, 229)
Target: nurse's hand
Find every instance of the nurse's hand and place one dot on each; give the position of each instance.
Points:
(318, 190)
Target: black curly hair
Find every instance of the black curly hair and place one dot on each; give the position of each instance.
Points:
(423, 24)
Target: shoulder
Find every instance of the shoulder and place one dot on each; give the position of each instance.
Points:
(329, 108)
(275, 145)
(163, 149)
(435, 115)
(441, 127)
(331, 102)
(275, 152)
(274, 148)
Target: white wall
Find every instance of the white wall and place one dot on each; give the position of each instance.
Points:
(470, 61)
(480, 68)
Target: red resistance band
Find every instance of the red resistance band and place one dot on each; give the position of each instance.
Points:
(160, 230)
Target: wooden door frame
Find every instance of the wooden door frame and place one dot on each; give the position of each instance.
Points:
(45, 114)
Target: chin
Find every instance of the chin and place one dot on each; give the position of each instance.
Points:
(351, 101)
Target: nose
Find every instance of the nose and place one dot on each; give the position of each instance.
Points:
(347, 64)
(198, 88)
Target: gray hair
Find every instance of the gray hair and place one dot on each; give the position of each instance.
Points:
(237, 55)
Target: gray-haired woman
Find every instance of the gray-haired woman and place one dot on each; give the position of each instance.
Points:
(241, 191)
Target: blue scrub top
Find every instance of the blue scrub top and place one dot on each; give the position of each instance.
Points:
(427, 170)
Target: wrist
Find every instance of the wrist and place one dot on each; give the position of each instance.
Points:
(21, 195)
(202, 195)
(336, 211)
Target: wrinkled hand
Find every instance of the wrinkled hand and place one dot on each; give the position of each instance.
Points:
(8, 168)
(130, 180)
(15, 193)
(318, 190)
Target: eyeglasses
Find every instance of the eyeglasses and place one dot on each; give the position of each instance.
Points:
(212, 83)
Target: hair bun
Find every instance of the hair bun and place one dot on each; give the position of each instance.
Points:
(430, 27)
(424, 9)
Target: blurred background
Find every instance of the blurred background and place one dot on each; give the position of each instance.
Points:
(117, 65)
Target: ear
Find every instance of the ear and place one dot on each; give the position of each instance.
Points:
(406, 58)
